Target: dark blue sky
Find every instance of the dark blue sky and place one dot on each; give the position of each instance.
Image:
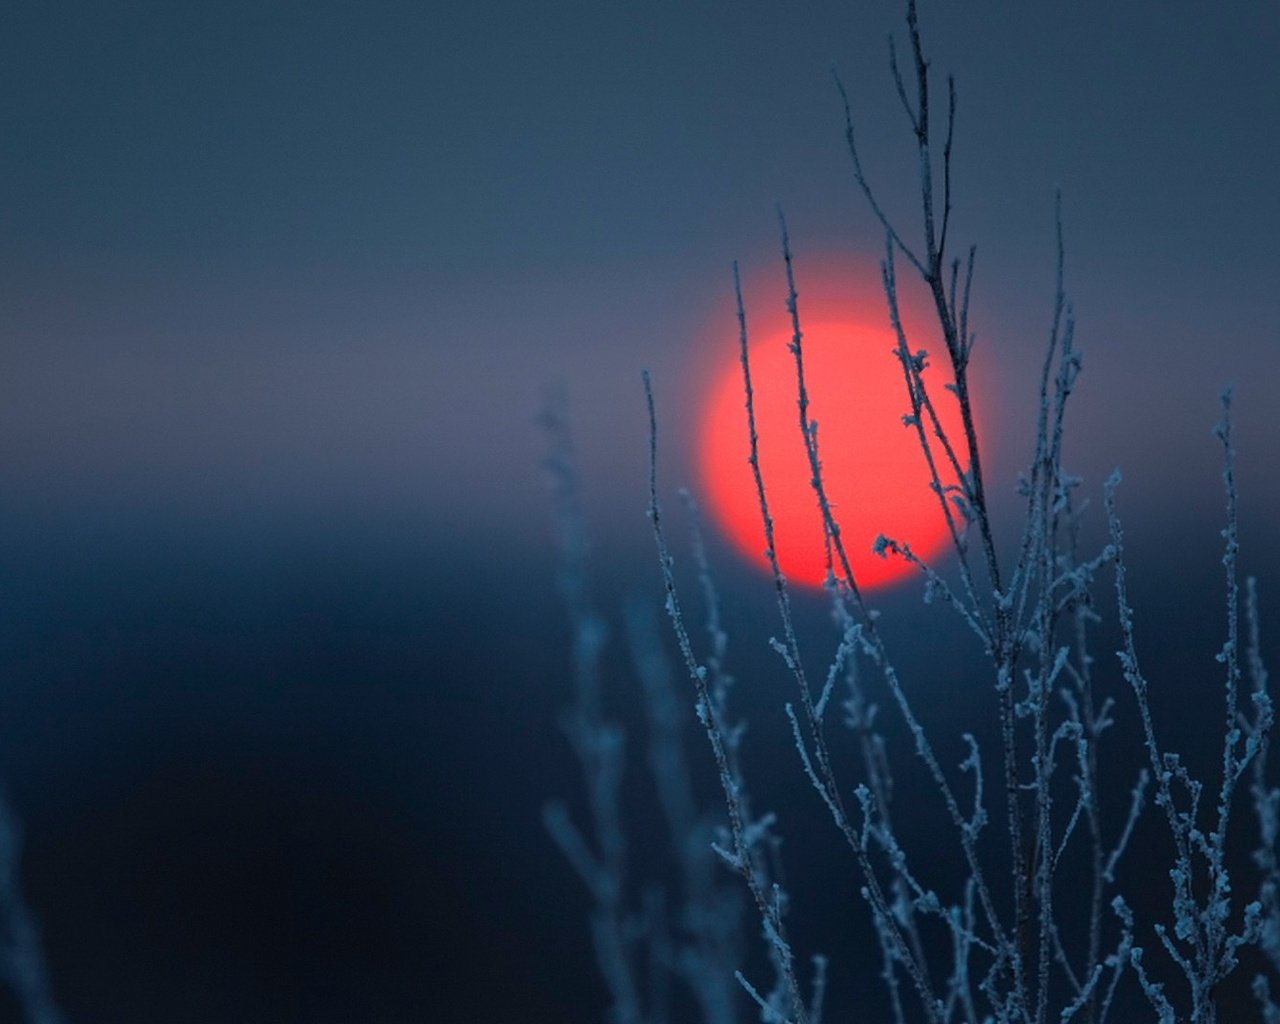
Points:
(300, 256)
(281, 286)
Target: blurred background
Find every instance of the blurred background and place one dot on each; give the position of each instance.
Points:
(282, 288)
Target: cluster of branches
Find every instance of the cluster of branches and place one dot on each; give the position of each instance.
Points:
(641, 952)
(999, 949)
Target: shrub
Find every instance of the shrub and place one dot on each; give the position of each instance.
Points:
(1027, 820)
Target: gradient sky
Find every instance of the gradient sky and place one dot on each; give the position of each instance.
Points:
(281, 288)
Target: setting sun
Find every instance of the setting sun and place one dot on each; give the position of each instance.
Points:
(874, 471)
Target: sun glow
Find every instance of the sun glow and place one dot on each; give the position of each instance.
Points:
(873, 468)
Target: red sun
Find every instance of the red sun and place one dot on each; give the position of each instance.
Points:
(873, 469)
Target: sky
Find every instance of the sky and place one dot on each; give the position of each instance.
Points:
(282, 290)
